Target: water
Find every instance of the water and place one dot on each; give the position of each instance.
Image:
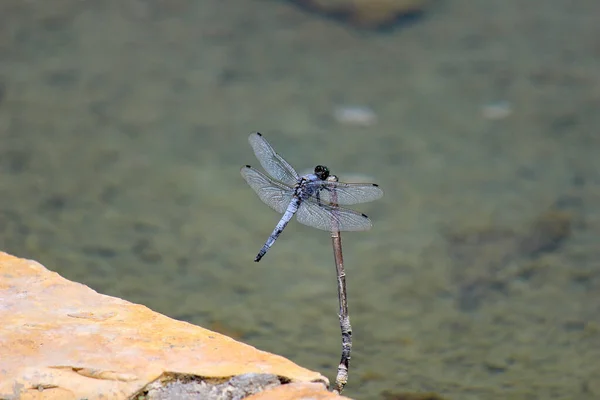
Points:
(480, 278)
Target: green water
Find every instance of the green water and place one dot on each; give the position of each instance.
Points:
(123, 126)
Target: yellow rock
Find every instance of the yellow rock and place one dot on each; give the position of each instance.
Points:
(62, 340)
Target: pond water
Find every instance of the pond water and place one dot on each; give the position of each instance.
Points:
(123, 126)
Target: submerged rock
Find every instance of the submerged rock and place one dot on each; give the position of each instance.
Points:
(367, 13)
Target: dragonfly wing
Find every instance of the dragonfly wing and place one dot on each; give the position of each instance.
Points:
(330, 218)
(272, 162)
(272, 193)
(347, 193)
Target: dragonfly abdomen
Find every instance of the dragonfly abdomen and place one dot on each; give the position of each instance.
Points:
(285, 219)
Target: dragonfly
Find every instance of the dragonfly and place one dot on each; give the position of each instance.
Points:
(313, 198)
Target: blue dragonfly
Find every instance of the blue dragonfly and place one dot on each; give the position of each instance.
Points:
(312, 197)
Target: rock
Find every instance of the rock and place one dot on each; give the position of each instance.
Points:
(366, 13)
(487, 260)
(62, 340)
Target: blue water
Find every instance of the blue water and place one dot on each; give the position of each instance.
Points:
(123, 127)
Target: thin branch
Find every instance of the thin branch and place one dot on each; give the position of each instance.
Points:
(336, 240)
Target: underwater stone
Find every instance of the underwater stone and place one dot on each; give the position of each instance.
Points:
(366, 13)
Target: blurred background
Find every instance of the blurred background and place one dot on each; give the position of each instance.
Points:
(123, 125)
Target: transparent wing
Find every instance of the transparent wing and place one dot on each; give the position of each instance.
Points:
(272, 162)
(272, 193)
(329, 218)
(347, 193)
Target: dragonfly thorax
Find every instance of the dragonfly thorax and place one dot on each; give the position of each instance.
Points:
(303, 189)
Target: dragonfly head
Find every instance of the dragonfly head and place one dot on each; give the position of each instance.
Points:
(322, 172)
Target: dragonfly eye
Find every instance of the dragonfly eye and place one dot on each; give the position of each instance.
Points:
(321, 172)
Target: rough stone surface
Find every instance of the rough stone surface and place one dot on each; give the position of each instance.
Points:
(62, 340)
(236, 388)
